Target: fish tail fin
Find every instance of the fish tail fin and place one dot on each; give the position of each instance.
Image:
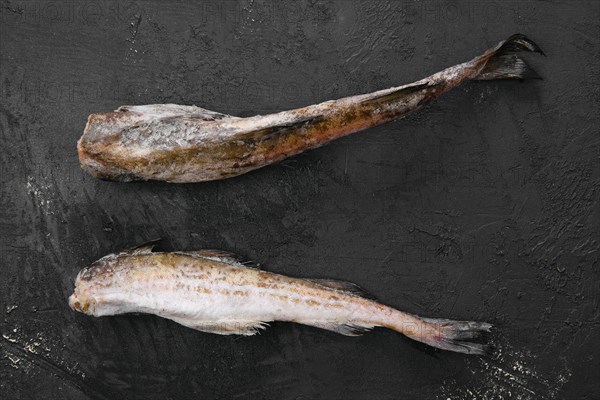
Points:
(449, 335)
(501, 62)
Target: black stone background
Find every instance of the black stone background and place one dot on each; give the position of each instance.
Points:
(482, 206)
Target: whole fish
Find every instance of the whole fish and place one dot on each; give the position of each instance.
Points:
(213, 291)
(176, 143)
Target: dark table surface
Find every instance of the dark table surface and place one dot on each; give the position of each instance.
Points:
(481, 206)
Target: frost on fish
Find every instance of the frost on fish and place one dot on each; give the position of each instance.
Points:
(177, 143)
(214, 291)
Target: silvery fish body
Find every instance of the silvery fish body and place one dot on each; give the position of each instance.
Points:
(176, 143)
(212, 291)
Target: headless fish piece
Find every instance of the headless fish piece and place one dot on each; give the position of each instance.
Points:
(213, 291)
(176, 143)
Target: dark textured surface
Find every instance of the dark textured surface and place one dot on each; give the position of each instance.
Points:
(482, 206)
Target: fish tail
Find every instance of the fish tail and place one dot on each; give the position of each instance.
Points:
(446, 334)
(456, 336)
(501, 62)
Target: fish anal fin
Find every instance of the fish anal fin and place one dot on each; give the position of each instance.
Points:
(344, 286)
(345, 328)
(144, 248)
(225, 327)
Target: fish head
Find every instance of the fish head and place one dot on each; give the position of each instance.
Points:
(102, 142)
(95, 287)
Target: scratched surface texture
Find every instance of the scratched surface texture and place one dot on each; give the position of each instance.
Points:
(484, 205)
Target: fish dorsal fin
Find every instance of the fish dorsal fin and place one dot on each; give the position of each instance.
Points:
(144, 248)
(222, 256)
(396, 94)
(217, 254)
(344, 286)
(172, 111)
(281, 128)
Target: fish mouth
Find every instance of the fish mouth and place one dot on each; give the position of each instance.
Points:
(77, 304)
(74, 303)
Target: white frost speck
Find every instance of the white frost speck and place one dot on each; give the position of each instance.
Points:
(41, 194)
(511, 374)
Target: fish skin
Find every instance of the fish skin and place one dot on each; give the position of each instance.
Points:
(212, 291)
(177, 143)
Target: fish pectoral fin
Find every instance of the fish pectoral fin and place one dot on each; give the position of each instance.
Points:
(225, 326)
(344, 286)
(350, 328)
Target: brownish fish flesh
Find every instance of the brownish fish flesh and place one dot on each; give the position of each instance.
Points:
(213, 291)
(177, 143)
